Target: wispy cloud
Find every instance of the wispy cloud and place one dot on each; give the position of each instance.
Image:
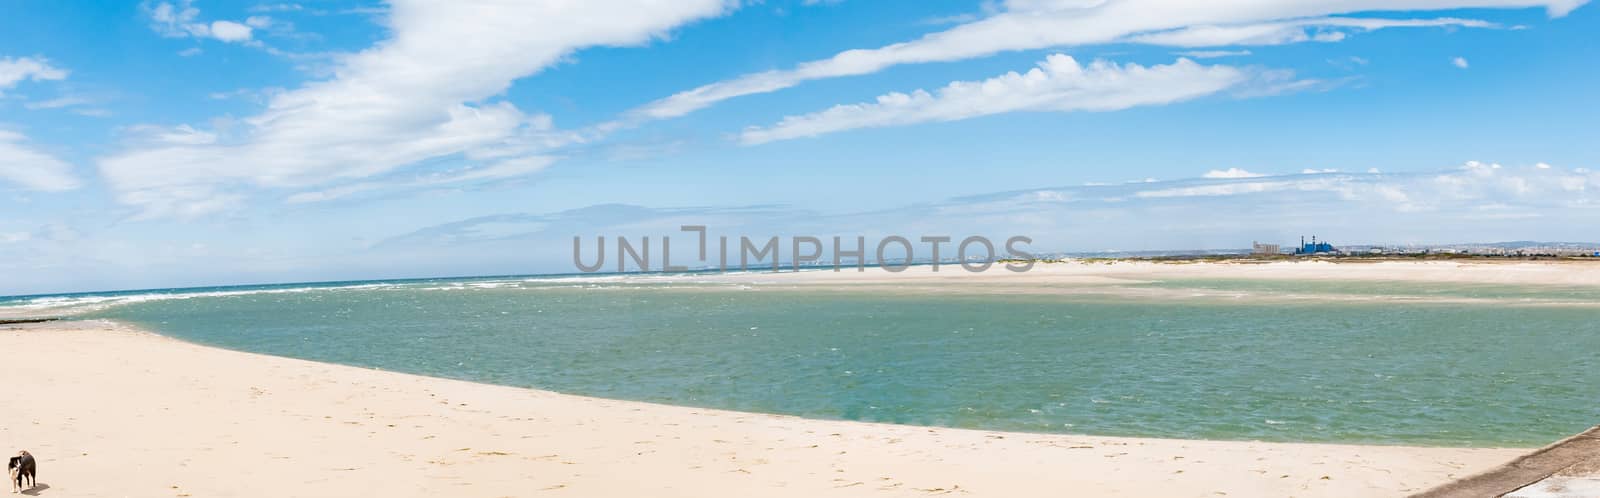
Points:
(17, 69)
(30, 168)
(1348, 63)
(1059, 83)
(76, 104)
(1326, 29)
(258, 95)
(297, 8)
(182, 20)
(1035, 24)
(57, 103)
(1212, 54)
(512, 168)
(409, 99)
(1460, 62)
(1230, 173)
(1473, 202)
(277, 7)
(950, 19)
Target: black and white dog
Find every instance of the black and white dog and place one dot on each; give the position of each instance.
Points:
(20, 467)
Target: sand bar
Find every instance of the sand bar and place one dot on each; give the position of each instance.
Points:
(1100, 272)
(113, 411)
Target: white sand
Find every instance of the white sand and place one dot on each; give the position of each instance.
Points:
(111, 411)
(1569, 272)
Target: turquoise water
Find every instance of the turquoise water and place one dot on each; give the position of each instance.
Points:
(1383, 363)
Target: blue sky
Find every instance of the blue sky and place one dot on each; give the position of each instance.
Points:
(205, 142)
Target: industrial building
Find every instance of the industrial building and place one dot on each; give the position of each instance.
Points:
(1314, 247)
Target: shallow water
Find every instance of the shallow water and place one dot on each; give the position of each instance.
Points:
(1404, 363)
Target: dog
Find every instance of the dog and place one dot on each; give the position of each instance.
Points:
(22, 467)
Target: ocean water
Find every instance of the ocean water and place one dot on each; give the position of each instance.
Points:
(1371, 362)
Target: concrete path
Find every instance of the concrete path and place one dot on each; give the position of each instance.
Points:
(1569, 468)
(1581, 479)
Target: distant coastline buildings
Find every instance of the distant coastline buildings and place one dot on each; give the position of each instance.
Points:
(1305, 249)
(1321, 248)
(1314, 247)
(1318, 247)
(1502, 249)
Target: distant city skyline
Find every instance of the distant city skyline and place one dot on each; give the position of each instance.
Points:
(192, 142)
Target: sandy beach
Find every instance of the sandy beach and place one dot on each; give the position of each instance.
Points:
(1099, 272)
(114, 411)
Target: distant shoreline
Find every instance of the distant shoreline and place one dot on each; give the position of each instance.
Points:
(1347, 258)
(1575, 272)
(1465, 269)
(787, 268)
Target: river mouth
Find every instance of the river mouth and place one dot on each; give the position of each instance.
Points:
(1346, 362)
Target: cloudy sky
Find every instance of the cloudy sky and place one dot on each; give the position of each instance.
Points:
(170, 143)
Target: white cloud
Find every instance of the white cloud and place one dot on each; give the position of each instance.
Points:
(230, 31)
(509, 168)
(427, 93)
(181, 20)
(15, 70)
(1460, 62)
(1212, 54)
(257, 95)
(1472, 184)
(173, 21)
(1218, 189)
(1230, 173)
(29, 168)
(1059, 83)
(176, 135)
(1280, 33)
(1035, 24)
(277, 7)
(1348, 62)
(57, 103)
